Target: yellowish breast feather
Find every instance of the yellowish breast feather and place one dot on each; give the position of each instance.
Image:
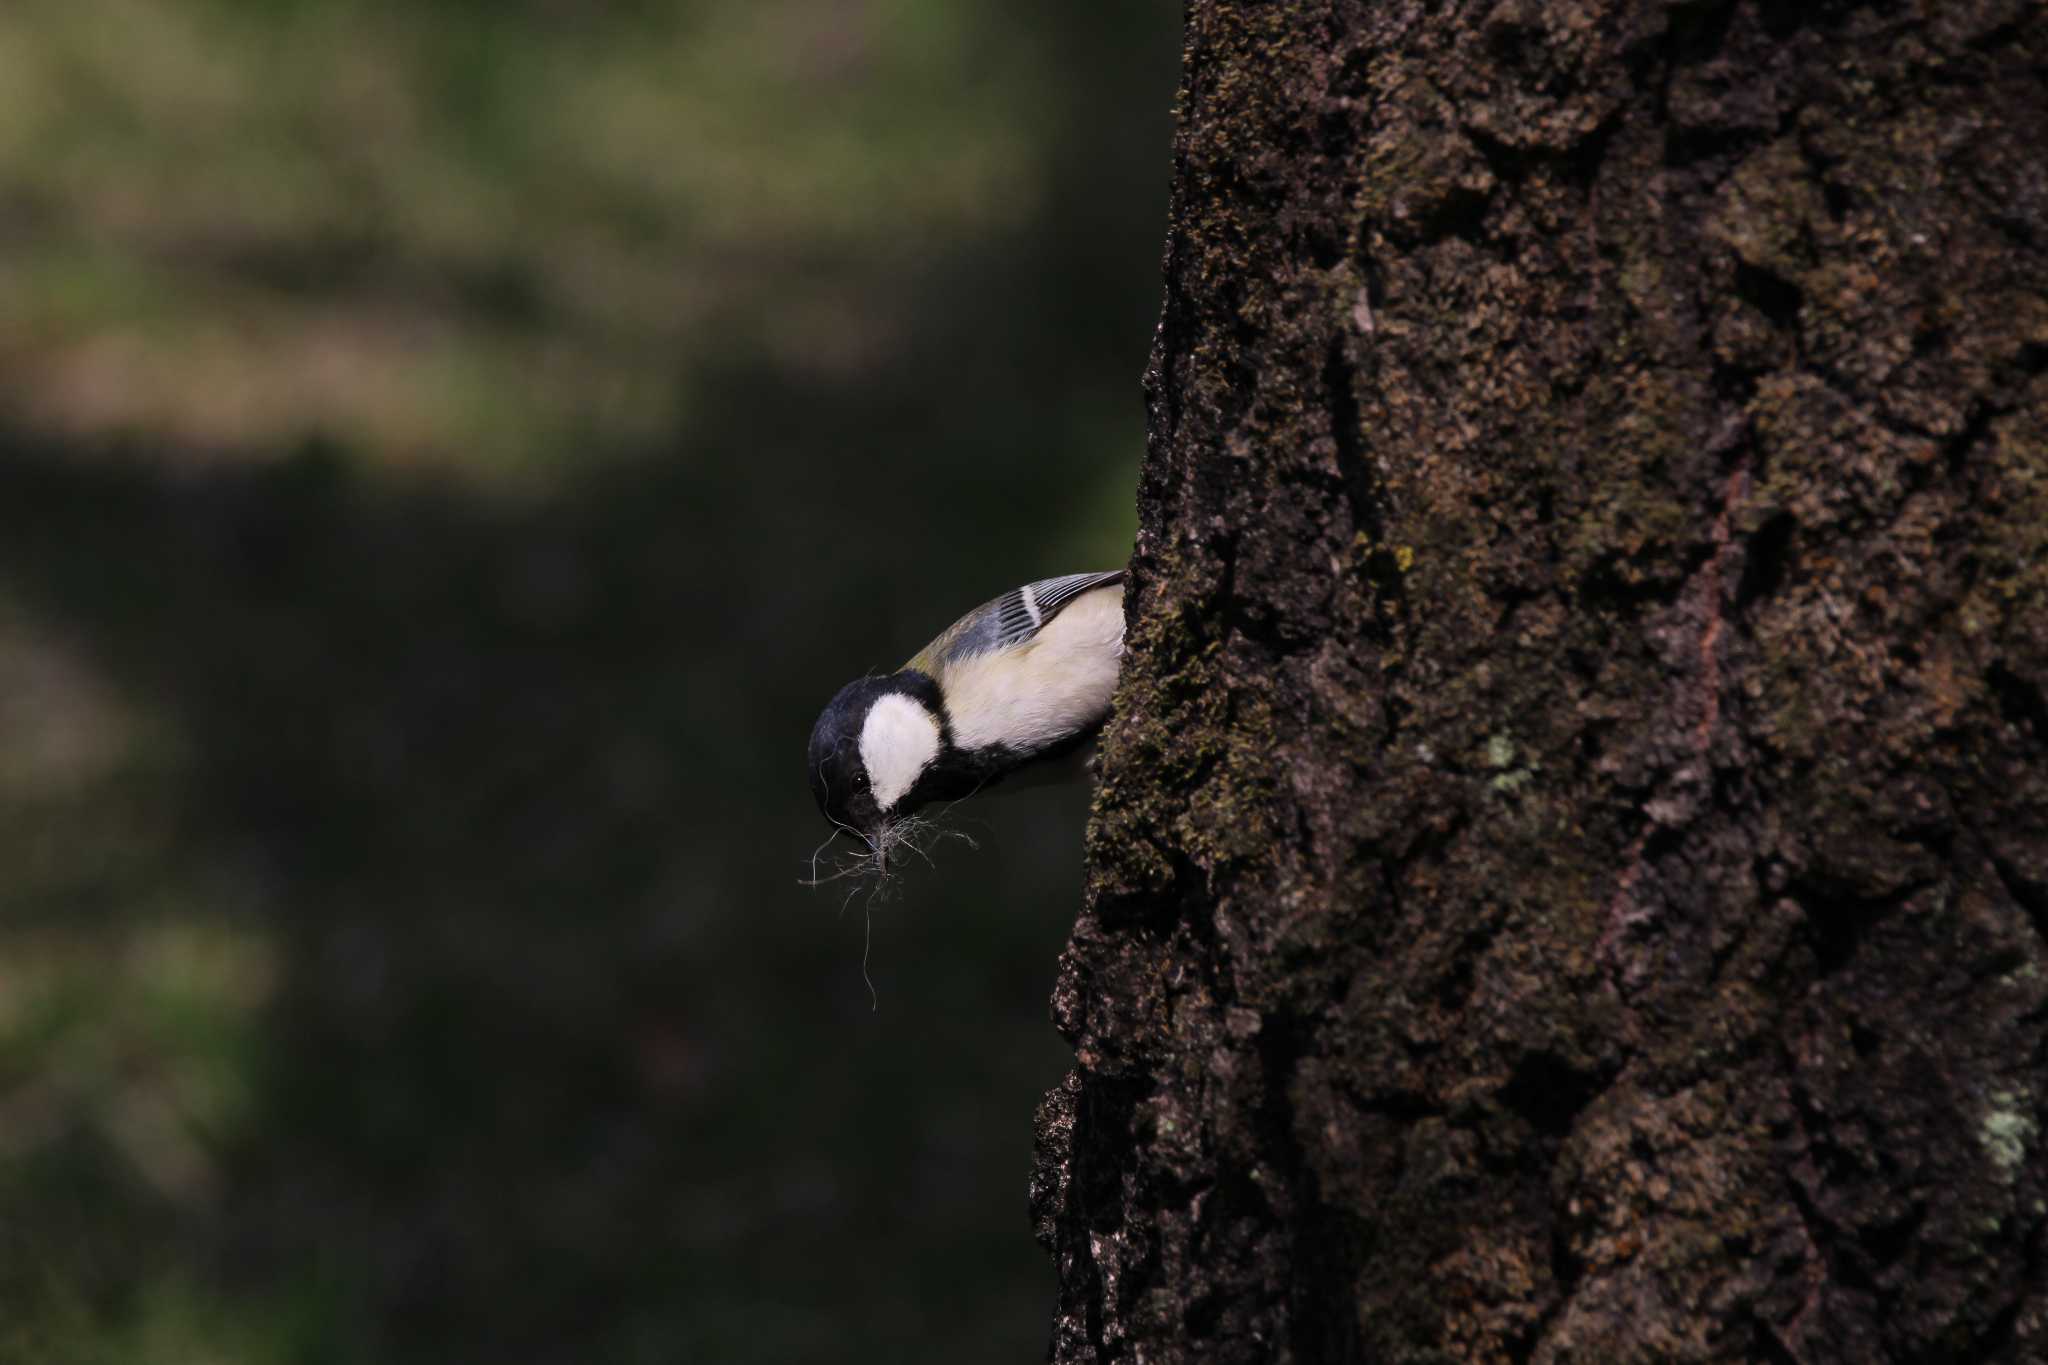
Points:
(1052, 687)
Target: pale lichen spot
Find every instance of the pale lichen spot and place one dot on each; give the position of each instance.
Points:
(2006, 1132)
(1500, 754)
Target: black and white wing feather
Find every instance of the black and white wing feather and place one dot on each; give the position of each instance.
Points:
(1009, 621)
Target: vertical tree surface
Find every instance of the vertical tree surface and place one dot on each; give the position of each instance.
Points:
(1570, 877)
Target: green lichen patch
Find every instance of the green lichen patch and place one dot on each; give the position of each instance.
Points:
(2007, 1131)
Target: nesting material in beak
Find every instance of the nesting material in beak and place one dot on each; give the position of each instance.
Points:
(918, 833)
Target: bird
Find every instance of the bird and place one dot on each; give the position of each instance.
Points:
(1018, 681)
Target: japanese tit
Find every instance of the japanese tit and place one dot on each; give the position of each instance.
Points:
(1020, 679)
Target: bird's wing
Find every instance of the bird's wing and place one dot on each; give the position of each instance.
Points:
(1010, 620)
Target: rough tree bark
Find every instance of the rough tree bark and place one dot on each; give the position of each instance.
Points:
(1570, 876)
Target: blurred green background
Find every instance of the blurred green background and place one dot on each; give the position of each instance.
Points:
(448, 452)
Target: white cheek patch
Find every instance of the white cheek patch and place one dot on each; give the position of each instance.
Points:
(897, 742)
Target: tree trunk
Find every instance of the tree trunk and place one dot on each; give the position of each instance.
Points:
(1570, 875)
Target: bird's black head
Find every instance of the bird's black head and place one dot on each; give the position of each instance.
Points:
(871, 746)
(839, 780)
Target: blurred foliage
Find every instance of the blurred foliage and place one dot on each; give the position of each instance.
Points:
(491, 235)
(448, 451)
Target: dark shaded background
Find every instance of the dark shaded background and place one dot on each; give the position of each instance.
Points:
(447, 454)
